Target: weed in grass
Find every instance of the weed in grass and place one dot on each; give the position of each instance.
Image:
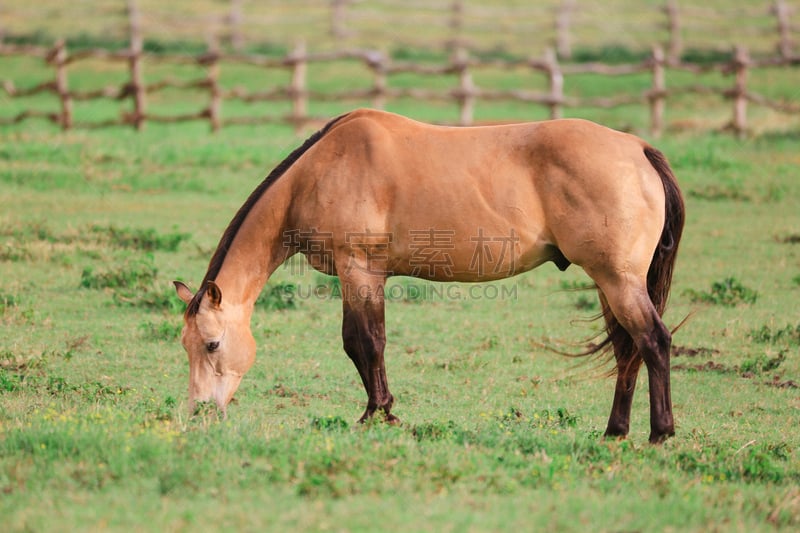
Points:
(761, 364)
(584, 303)
(576, 285)
(434, 431)
(165, 330)
(152, 408)
(8, 302)
(31, 231)
(753, 462)
(716, 192)
(728, 292)
(140, 239)
(159, 297)
(24, 364)
(766, 335)
(14, 253)
(33, 377)
(774, 193)
(12, 313)
(134, 283)
(278, 297)
(329, 423)
(796, 280)
(135, 273)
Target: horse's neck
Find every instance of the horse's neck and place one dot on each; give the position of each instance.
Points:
(258, 249)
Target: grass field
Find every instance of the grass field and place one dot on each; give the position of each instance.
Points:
(498, 431)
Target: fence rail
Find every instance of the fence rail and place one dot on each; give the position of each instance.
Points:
(466, 93)
(516, 26)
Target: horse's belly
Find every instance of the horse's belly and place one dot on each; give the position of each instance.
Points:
(484, 256)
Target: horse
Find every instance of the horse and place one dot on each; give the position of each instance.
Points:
(373, 194)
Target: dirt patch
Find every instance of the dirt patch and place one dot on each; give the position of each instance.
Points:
(708, 366)
(789, 239)
(686, 351)
(782, 384)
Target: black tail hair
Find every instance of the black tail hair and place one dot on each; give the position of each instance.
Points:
(659, 275)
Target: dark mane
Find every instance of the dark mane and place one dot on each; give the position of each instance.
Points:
(225, 242)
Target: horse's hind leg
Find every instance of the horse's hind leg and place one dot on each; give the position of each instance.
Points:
(630, 304)
(364, 338)
(628, 362)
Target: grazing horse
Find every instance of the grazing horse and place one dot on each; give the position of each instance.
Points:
(374, 194)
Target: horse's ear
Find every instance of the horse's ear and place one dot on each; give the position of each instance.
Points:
(214, 294)
(184, 293)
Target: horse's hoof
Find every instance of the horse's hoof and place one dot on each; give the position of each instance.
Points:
(659, 438)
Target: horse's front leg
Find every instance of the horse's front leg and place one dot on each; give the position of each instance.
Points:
(364, 338)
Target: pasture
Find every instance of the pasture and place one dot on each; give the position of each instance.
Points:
(499, 432)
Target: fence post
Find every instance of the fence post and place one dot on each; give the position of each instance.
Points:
(339, 19)
(137, 85)
(674, 28)
(59, 58)
(556, 78)
(377, 63)
(563, 26)
(466, 89)
(740, 64)
(297, 89)
(658, 93)
(235, 36)
(211, 60)
(456, 25)
(782, 13)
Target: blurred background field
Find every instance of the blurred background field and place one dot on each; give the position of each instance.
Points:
(402, 54)
(512, 27)
(499, 433)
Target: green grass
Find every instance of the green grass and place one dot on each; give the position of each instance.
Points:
(498, 432)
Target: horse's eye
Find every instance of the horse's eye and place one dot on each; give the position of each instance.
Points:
(212, 346)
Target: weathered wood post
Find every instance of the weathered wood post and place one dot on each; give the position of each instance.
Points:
(782, 14)
(674, 28)
(658, 93)
(740, 63)
(59, 60)
(297, 89)
(556, 79)
(137, 85)
(466, 88)
(211, 61)
(339, 19)
(235, 35)
(563, 28)
(456, 25)
(377, 63)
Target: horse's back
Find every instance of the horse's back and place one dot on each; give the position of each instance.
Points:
(530, 192)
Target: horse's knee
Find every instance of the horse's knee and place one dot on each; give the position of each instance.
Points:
(655, 345)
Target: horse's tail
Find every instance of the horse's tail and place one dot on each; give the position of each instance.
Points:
(659, 275)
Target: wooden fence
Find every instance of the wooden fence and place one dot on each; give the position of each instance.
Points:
(563, 22)
(519, 27)
(466, 93)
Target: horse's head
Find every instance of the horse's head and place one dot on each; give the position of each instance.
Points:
(216, 336)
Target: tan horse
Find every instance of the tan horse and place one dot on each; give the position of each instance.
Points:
(374, 194)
